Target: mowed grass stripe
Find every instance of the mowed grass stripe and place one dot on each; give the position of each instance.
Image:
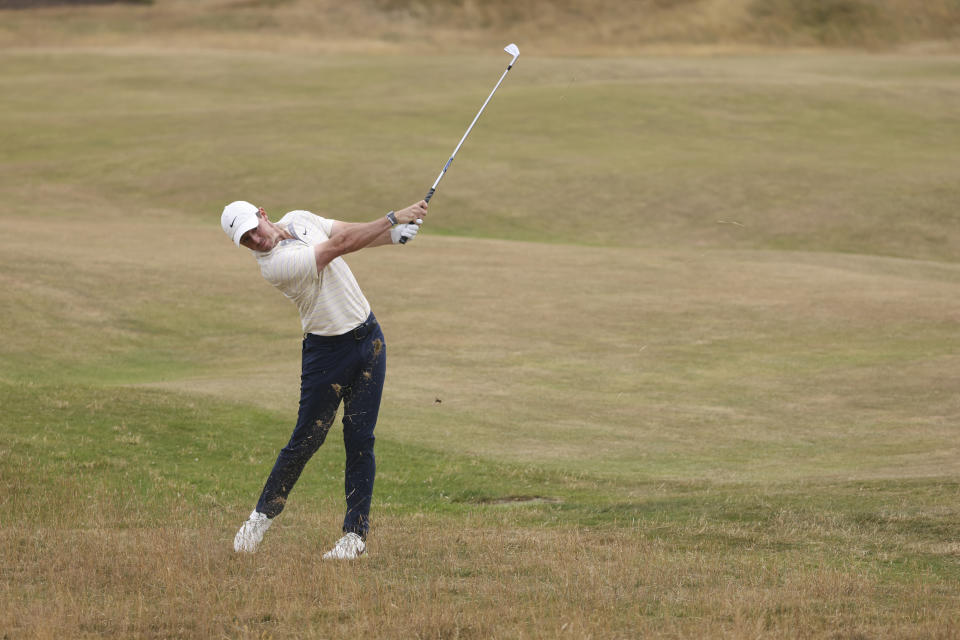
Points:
(156, 444)
(199, 459)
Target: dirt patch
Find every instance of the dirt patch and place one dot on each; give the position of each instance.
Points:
(323, 426)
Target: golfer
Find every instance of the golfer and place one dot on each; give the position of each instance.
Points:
(344, 353)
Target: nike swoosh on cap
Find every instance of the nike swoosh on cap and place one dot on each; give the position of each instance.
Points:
(231, 224)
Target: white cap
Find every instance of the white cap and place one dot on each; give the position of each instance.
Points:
(238, 218)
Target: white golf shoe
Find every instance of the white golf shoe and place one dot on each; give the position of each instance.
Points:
(349, 547)
(251, 533)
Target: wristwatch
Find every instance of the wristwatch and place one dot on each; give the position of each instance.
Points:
(392, 217)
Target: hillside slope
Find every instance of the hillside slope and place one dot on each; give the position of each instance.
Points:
(820, 153)
(548, 26)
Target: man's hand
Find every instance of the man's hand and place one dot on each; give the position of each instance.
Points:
(412, 213)
(407, 231)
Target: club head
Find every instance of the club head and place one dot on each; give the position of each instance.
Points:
(512, 50)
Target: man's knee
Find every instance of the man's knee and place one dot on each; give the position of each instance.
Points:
(358, 446)
(309, 438)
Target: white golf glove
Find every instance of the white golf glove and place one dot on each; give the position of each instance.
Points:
(408, 231)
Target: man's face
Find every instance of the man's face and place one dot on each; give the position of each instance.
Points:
(261, 237)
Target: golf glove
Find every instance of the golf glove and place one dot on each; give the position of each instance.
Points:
(408, 231)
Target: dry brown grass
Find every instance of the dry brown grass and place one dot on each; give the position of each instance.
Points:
(429, 578)
(543, 26)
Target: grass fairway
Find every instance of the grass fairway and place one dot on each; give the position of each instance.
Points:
(677, 354)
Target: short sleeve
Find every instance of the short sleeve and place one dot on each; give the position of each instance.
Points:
(325, 224)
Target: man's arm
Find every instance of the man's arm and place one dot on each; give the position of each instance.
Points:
(380, 239)
(347, 237)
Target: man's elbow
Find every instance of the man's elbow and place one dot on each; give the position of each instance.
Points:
(343, 243)
(347, 242)
(326, 252)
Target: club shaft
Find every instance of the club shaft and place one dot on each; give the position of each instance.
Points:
(460, 144)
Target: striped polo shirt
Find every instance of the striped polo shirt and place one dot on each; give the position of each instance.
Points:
(330, 303)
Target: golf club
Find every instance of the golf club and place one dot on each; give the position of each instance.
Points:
(513, 51)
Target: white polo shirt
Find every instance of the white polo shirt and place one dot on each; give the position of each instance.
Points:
(330, 303)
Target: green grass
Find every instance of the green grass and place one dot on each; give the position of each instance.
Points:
(676, 354)
(142, 454)
(681, 154)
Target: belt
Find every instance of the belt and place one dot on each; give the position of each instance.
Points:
(358, 333)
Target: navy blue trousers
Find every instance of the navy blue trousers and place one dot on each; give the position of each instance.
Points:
(348, 369)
